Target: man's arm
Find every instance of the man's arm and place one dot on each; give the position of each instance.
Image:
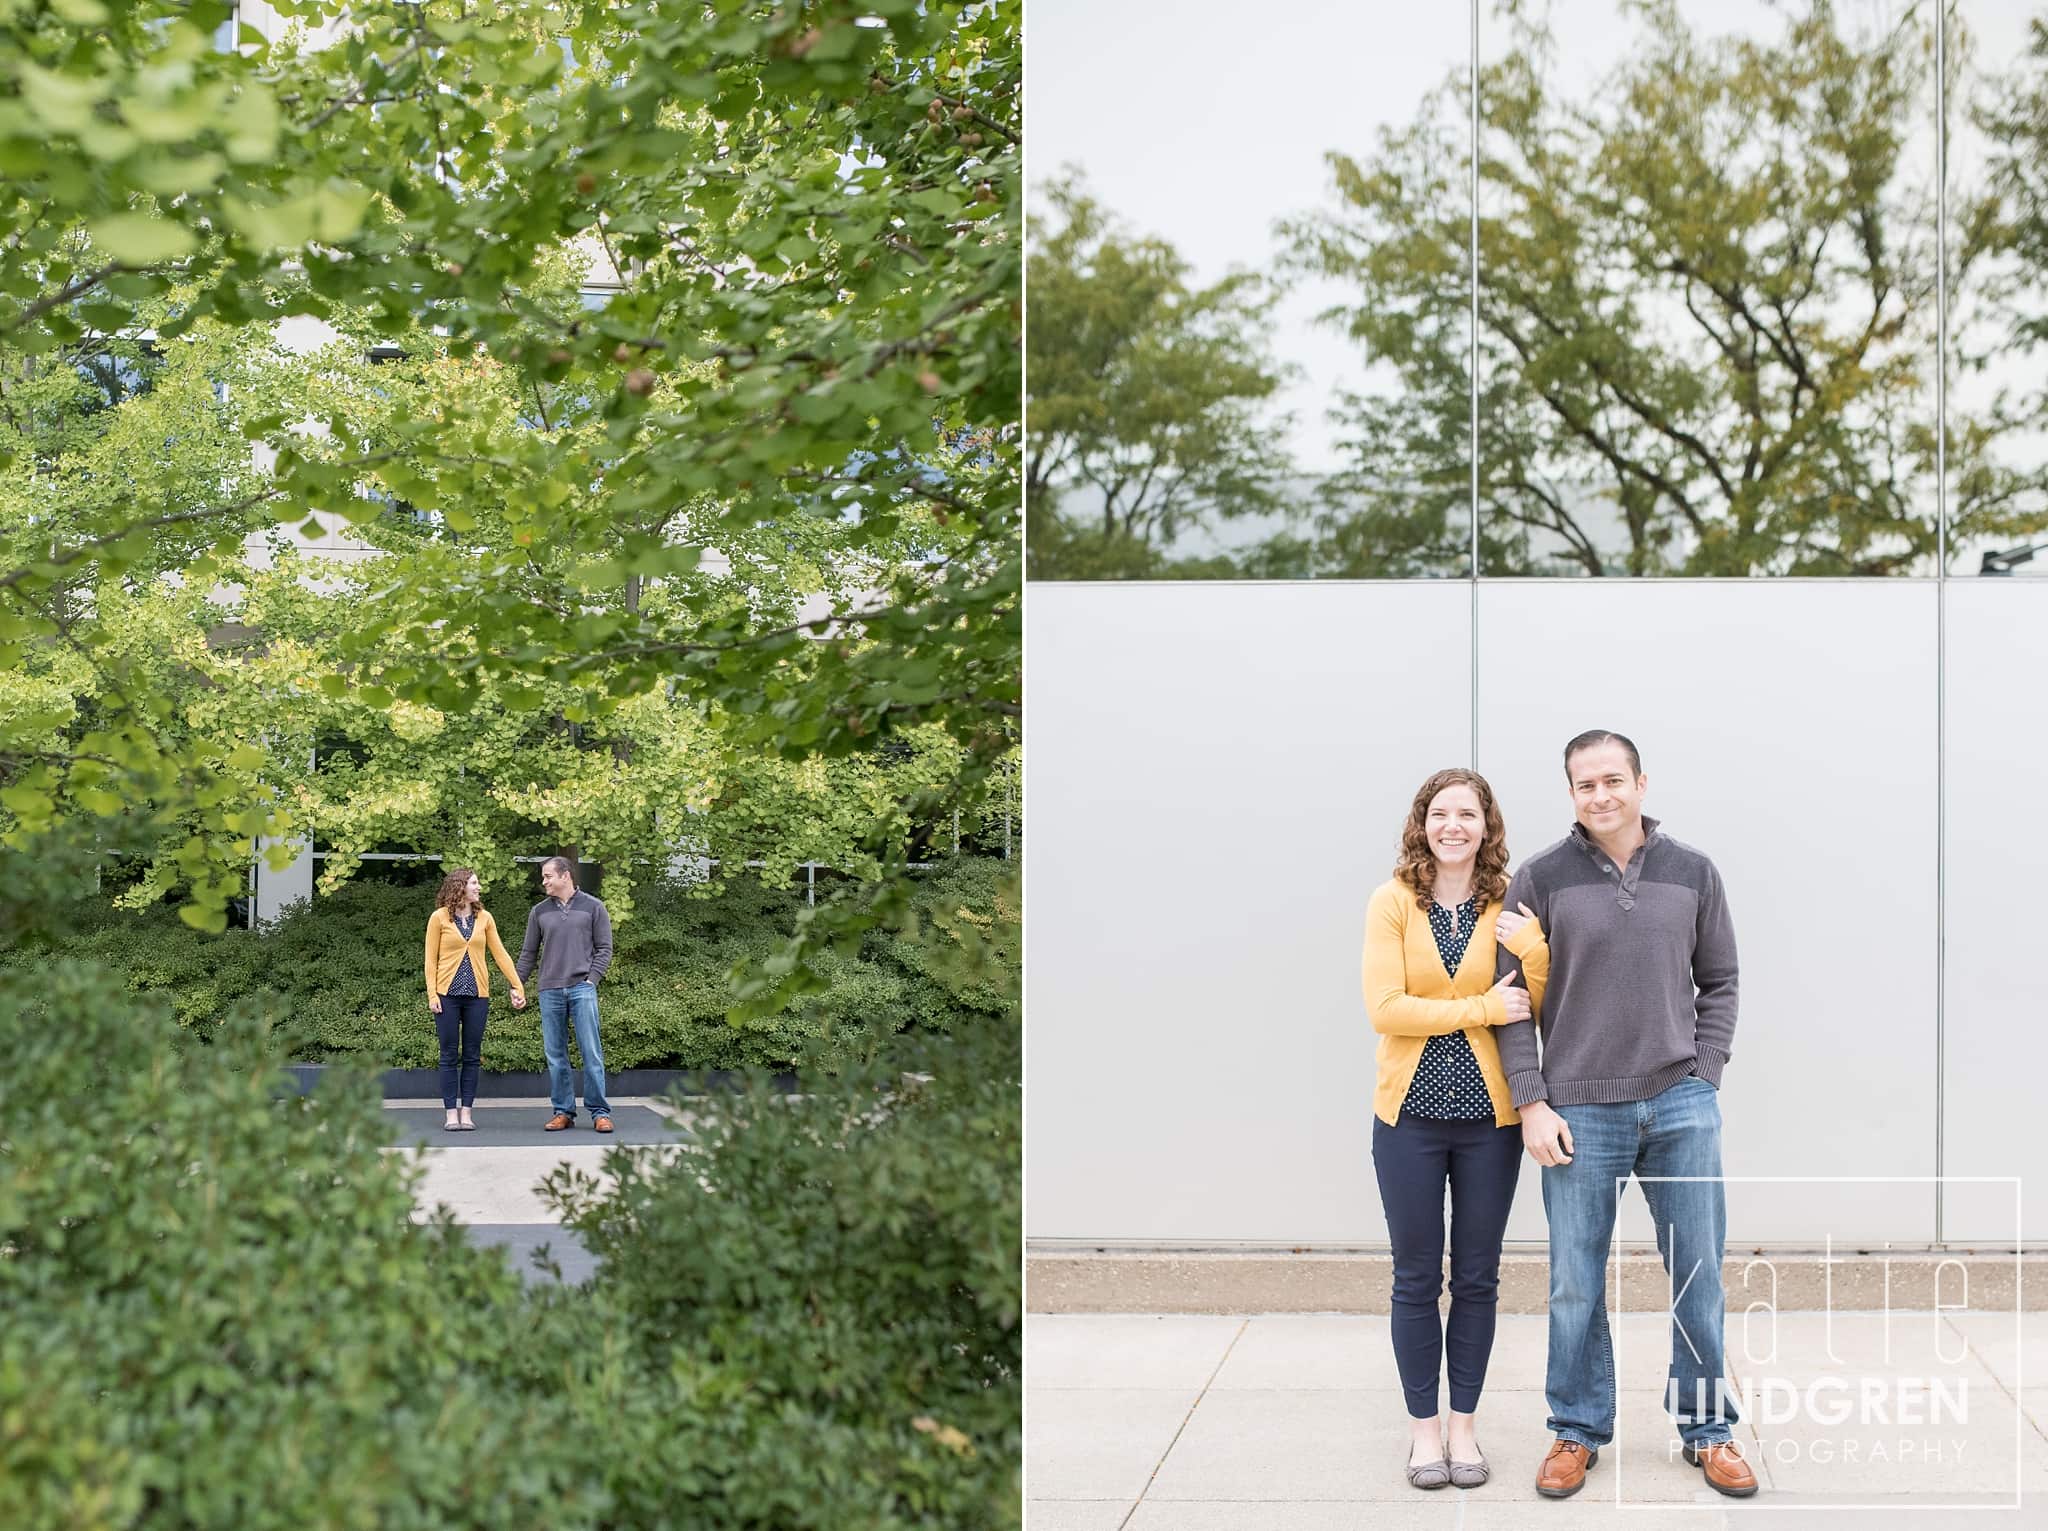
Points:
(529, 946)
(1714, 975)
(1517, 1041)
(600, 941)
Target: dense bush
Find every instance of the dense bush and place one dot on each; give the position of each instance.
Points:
(346, 969)
(217, 1314)
(220, 1319)
(824, 1303)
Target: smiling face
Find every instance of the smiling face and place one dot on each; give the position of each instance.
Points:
(1607, 794)
(556, 882)
(1456, 826)
(473, 890)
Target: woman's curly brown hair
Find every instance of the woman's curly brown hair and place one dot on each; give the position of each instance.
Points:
(1417, 864)
(453, 887)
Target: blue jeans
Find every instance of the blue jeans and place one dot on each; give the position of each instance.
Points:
(559, 1009)
(1677, 1132)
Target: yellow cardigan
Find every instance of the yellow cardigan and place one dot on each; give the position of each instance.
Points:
(445, 947)
(1411, 999)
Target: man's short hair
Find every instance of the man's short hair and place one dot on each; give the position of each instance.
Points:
(559, 864)
(1595, 736)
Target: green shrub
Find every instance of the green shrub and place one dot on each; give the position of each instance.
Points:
(217, 1313)
(346, 970)
(824, 1297)
(218, 1317)
(966, 895)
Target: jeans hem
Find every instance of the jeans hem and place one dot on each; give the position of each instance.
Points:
(1582, 1437)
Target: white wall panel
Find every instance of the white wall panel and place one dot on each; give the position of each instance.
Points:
(1215, 780)
(1996, 1016)
(1787, 730)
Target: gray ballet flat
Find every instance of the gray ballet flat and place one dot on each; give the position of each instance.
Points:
(1429, 1474)
(1468, 1474)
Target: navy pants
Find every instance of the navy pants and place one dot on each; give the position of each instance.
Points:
(460, 1023)
(1415, 1161)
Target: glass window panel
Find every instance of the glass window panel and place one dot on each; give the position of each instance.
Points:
(1997, 118)
(1707, 298)
(1249, 326)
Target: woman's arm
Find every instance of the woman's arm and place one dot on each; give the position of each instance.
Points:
(500, 956)
(1394, 1011)
(433, 949)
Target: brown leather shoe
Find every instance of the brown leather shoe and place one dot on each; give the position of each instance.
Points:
(603, 1124)
(1725, 1466)
(1564, 1468)
(558, 1121)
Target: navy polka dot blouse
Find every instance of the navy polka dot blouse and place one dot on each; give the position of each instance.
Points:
(464, 981)
(1448, 1084)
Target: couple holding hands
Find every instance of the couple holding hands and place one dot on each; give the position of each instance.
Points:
(1581, 1011)
(569, 937)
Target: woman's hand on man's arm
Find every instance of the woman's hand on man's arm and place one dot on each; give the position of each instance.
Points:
(1511, 920)
(1515, 999)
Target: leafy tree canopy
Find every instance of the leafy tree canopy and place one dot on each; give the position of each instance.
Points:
(808, 360)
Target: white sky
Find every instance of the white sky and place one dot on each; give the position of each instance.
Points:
(1204, 122)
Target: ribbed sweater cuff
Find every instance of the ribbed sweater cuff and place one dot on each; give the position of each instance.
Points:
(1603, 1092)
(1711, 1060)
(1527, 1086)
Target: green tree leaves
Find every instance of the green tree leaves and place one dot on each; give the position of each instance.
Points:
(137, 239)
(1145, 398)
(804, 354)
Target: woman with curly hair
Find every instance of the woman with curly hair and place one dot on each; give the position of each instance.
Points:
(459, 988)
(1443, 1115)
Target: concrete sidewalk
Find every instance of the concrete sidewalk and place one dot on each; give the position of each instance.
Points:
(1296, 1422)
(490, 1179)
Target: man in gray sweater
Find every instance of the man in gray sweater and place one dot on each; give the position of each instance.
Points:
(1638, 1022)
(572, 934)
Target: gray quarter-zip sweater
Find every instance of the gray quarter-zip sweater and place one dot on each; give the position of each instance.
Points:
(574, 941)
(1642, 973)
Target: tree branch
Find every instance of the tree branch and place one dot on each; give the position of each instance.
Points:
(14, 577)
(954, 103)
(71, 289)
(355, 97)
(1623, 465)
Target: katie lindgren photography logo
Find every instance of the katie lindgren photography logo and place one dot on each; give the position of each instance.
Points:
(1856, 1407)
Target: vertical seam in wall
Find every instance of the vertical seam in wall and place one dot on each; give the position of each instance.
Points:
(1940, 611)
(1472, 378)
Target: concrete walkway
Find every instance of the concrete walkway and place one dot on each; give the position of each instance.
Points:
(1296, 1422)
(490, 1178)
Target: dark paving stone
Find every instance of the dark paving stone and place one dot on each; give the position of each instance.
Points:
(425, 1084)
(520, 1240)
(520, 1127)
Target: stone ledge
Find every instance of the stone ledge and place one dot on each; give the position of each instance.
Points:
(425, 1084)
(1109, 1280)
